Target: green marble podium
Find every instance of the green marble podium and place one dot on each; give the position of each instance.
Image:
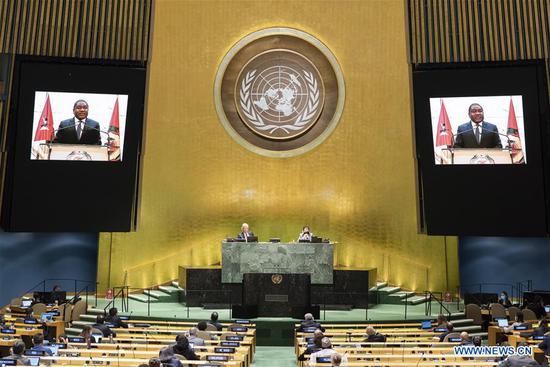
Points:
(239, 258)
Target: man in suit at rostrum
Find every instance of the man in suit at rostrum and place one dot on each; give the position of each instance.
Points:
(477, 133)
(79, 129)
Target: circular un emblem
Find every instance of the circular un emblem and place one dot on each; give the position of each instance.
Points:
(276, 278)
(279, 92)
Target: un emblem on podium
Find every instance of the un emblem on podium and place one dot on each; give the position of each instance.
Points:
(277, 278)
(279, 92)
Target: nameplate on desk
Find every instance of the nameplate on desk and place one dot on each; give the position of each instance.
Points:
(237, 329)
(7, 331)
(30, 322)
(59, 345)
(30, 352)
(276, 297)
(455, 340)
(234, 338)
(323, 359)
(55, 313)
(217, 358)
(224, 350)
(230, 344)
(309, 329)
(242, 321)
(538, 337)
(76, 339)
(7, 362)
(440, 330)
(125, 318)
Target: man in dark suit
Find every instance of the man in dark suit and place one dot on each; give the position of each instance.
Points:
(477, 133)
(309, 323)
(245, 233)
(115, 320)
(100, 325)
(78, 129)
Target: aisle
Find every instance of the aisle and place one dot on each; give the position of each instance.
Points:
(274, 357)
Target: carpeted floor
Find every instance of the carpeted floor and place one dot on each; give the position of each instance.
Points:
(274, 357)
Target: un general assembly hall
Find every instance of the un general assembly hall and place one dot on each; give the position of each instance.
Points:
(291, 183)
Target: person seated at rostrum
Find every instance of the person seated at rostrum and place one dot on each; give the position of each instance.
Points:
(202, 325)
(17, 354)
(504, 299)
(183, 348)
(313, 347)
(38, 344)
(214, 321)
(245, 232)
(309, 323)
(100, 325)
(305, 235)
(519, 360)
(326, 350)
(167, 357)
(193, 338)
(115, 320)
(373, 336)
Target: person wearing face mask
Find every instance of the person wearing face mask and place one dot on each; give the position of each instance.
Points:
(305, 235)
(504, 300)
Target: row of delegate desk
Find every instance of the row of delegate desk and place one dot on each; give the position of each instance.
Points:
(406, 345)
(233, 346)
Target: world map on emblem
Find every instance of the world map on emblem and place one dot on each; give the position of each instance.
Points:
(279, 94)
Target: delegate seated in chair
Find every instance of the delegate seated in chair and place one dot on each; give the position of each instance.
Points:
(309, 323)
(373, 336)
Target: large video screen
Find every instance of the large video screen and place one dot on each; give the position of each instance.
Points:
(478, 130)
(482, 148)
(78, 126)
(64, 111)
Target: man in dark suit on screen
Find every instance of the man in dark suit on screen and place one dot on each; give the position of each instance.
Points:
(477, 133)
(79, 129)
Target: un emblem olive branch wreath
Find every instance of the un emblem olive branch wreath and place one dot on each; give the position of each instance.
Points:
(256, 119)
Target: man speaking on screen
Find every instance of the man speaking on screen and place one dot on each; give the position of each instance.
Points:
(477, 133)
(79, 129)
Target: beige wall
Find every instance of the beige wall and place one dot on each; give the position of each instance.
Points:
(357, 188)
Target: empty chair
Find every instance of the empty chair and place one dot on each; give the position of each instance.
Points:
(67, 311)
(529, 315)
(473, 312)
(203, 335)
(79, 308)
(512, 312)
(15, 302)
(497, 310)
(211, 327)
(38, 309)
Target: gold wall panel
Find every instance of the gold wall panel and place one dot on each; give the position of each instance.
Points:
(357, 188)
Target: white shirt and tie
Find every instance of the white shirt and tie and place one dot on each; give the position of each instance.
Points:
(79, 126)
(478, 130)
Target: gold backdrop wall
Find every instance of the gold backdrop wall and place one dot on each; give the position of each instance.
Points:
(357, 188)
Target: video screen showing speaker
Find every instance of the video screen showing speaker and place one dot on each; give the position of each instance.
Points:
(78, 126)
(73, 145)
(480, 142)
(478, 130)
